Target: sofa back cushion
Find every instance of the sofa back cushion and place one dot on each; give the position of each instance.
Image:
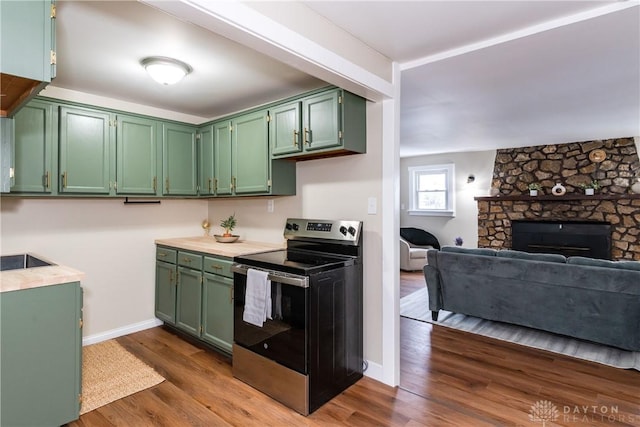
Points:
(592, 262)
(470, 251)
(508, 253)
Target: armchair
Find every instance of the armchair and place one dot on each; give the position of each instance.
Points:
(414, 243)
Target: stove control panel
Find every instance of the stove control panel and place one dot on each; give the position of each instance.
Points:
(338, 230)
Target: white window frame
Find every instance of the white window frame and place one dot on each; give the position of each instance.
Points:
(414, 174)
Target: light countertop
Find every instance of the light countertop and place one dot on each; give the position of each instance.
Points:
(35, 277)
(208, 245)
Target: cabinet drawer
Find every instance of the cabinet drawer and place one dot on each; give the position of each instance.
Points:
(191, 260)
(166, 255)
(218, 266)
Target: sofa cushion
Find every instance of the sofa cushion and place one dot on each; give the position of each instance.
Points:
(508, 253)
(593, 262)
(470, 251)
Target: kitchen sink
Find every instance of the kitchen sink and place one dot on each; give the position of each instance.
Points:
(16, 262)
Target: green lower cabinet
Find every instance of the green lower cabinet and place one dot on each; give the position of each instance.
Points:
(189, 300)
(198, 299)
(217, 311)
(41, 355)
(165, 305)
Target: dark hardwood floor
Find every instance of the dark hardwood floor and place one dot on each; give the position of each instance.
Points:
(448, 378)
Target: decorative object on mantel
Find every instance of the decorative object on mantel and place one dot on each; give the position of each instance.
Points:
(597, 156)
(228, 225)
(558, 190)
(636, 186)
(534, 187)
(206, 226)
(590, 187)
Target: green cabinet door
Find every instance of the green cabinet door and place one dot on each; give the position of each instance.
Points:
(189, 300)
(41, 355)
(26, 29)
(222, 157)
(284, 129)
(217, 311)
(179, 157)
(165, 306)
(206, 169)
(321, 121)
(86, 153)
(33, 148)
(137, 155)
(250, 153)
(27, 39)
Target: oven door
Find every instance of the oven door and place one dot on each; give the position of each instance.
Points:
(284, 338)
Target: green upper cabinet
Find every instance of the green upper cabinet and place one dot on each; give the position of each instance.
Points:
(179, 160)
(137, 155)
(206, 167)
(27, 54)
(222, 157)
(86, 152)
(284, 129)
(33, 148)
(321, 123)
(333, 122)
(250, 153)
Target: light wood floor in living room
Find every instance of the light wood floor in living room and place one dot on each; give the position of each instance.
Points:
(448, 378)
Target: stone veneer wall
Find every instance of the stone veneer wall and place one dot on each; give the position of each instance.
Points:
(569, 165)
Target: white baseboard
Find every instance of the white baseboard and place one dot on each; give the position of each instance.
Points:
(374, 371)
(125, 330)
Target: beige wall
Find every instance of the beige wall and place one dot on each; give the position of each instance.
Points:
(110, 242)
(465, 223)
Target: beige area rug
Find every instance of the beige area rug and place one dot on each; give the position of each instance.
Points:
(109, 373)
(416, 306)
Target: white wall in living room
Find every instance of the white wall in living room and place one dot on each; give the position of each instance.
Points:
(465, 222)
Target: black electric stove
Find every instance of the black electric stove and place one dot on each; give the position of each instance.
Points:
(313, 343)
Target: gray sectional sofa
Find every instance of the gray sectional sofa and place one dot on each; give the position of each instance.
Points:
(585, 298)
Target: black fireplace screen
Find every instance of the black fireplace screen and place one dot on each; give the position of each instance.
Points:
(568, 238)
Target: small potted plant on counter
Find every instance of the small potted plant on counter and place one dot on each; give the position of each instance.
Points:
(534, 187)
(228, 225)
(590, 187)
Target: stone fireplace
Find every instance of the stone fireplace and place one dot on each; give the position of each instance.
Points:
(615, 167)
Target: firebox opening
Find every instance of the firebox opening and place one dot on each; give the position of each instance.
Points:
(568, 238)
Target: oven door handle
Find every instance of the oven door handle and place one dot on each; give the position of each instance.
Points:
(275, 276)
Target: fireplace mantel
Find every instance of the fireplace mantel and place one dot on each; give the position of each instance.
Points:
(622, 211)
(551, 198)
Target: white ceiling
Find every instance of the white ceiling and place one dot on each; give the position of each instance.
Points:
(475, 74)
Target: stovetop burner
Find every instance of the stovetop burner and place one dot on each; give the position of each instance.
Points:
(295, 262)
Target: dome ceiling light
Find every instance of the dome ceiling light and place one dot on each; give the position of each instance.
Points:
(166, 71)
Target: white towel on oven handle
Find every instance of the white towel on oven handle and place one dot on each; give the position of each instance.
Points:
(257, 299)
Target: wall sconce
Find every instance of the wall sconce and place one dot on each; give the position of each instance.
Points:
(470, 179)
(166, 71)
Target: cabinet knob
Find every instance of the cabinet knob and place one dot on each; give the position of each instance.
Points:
(295, 138)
